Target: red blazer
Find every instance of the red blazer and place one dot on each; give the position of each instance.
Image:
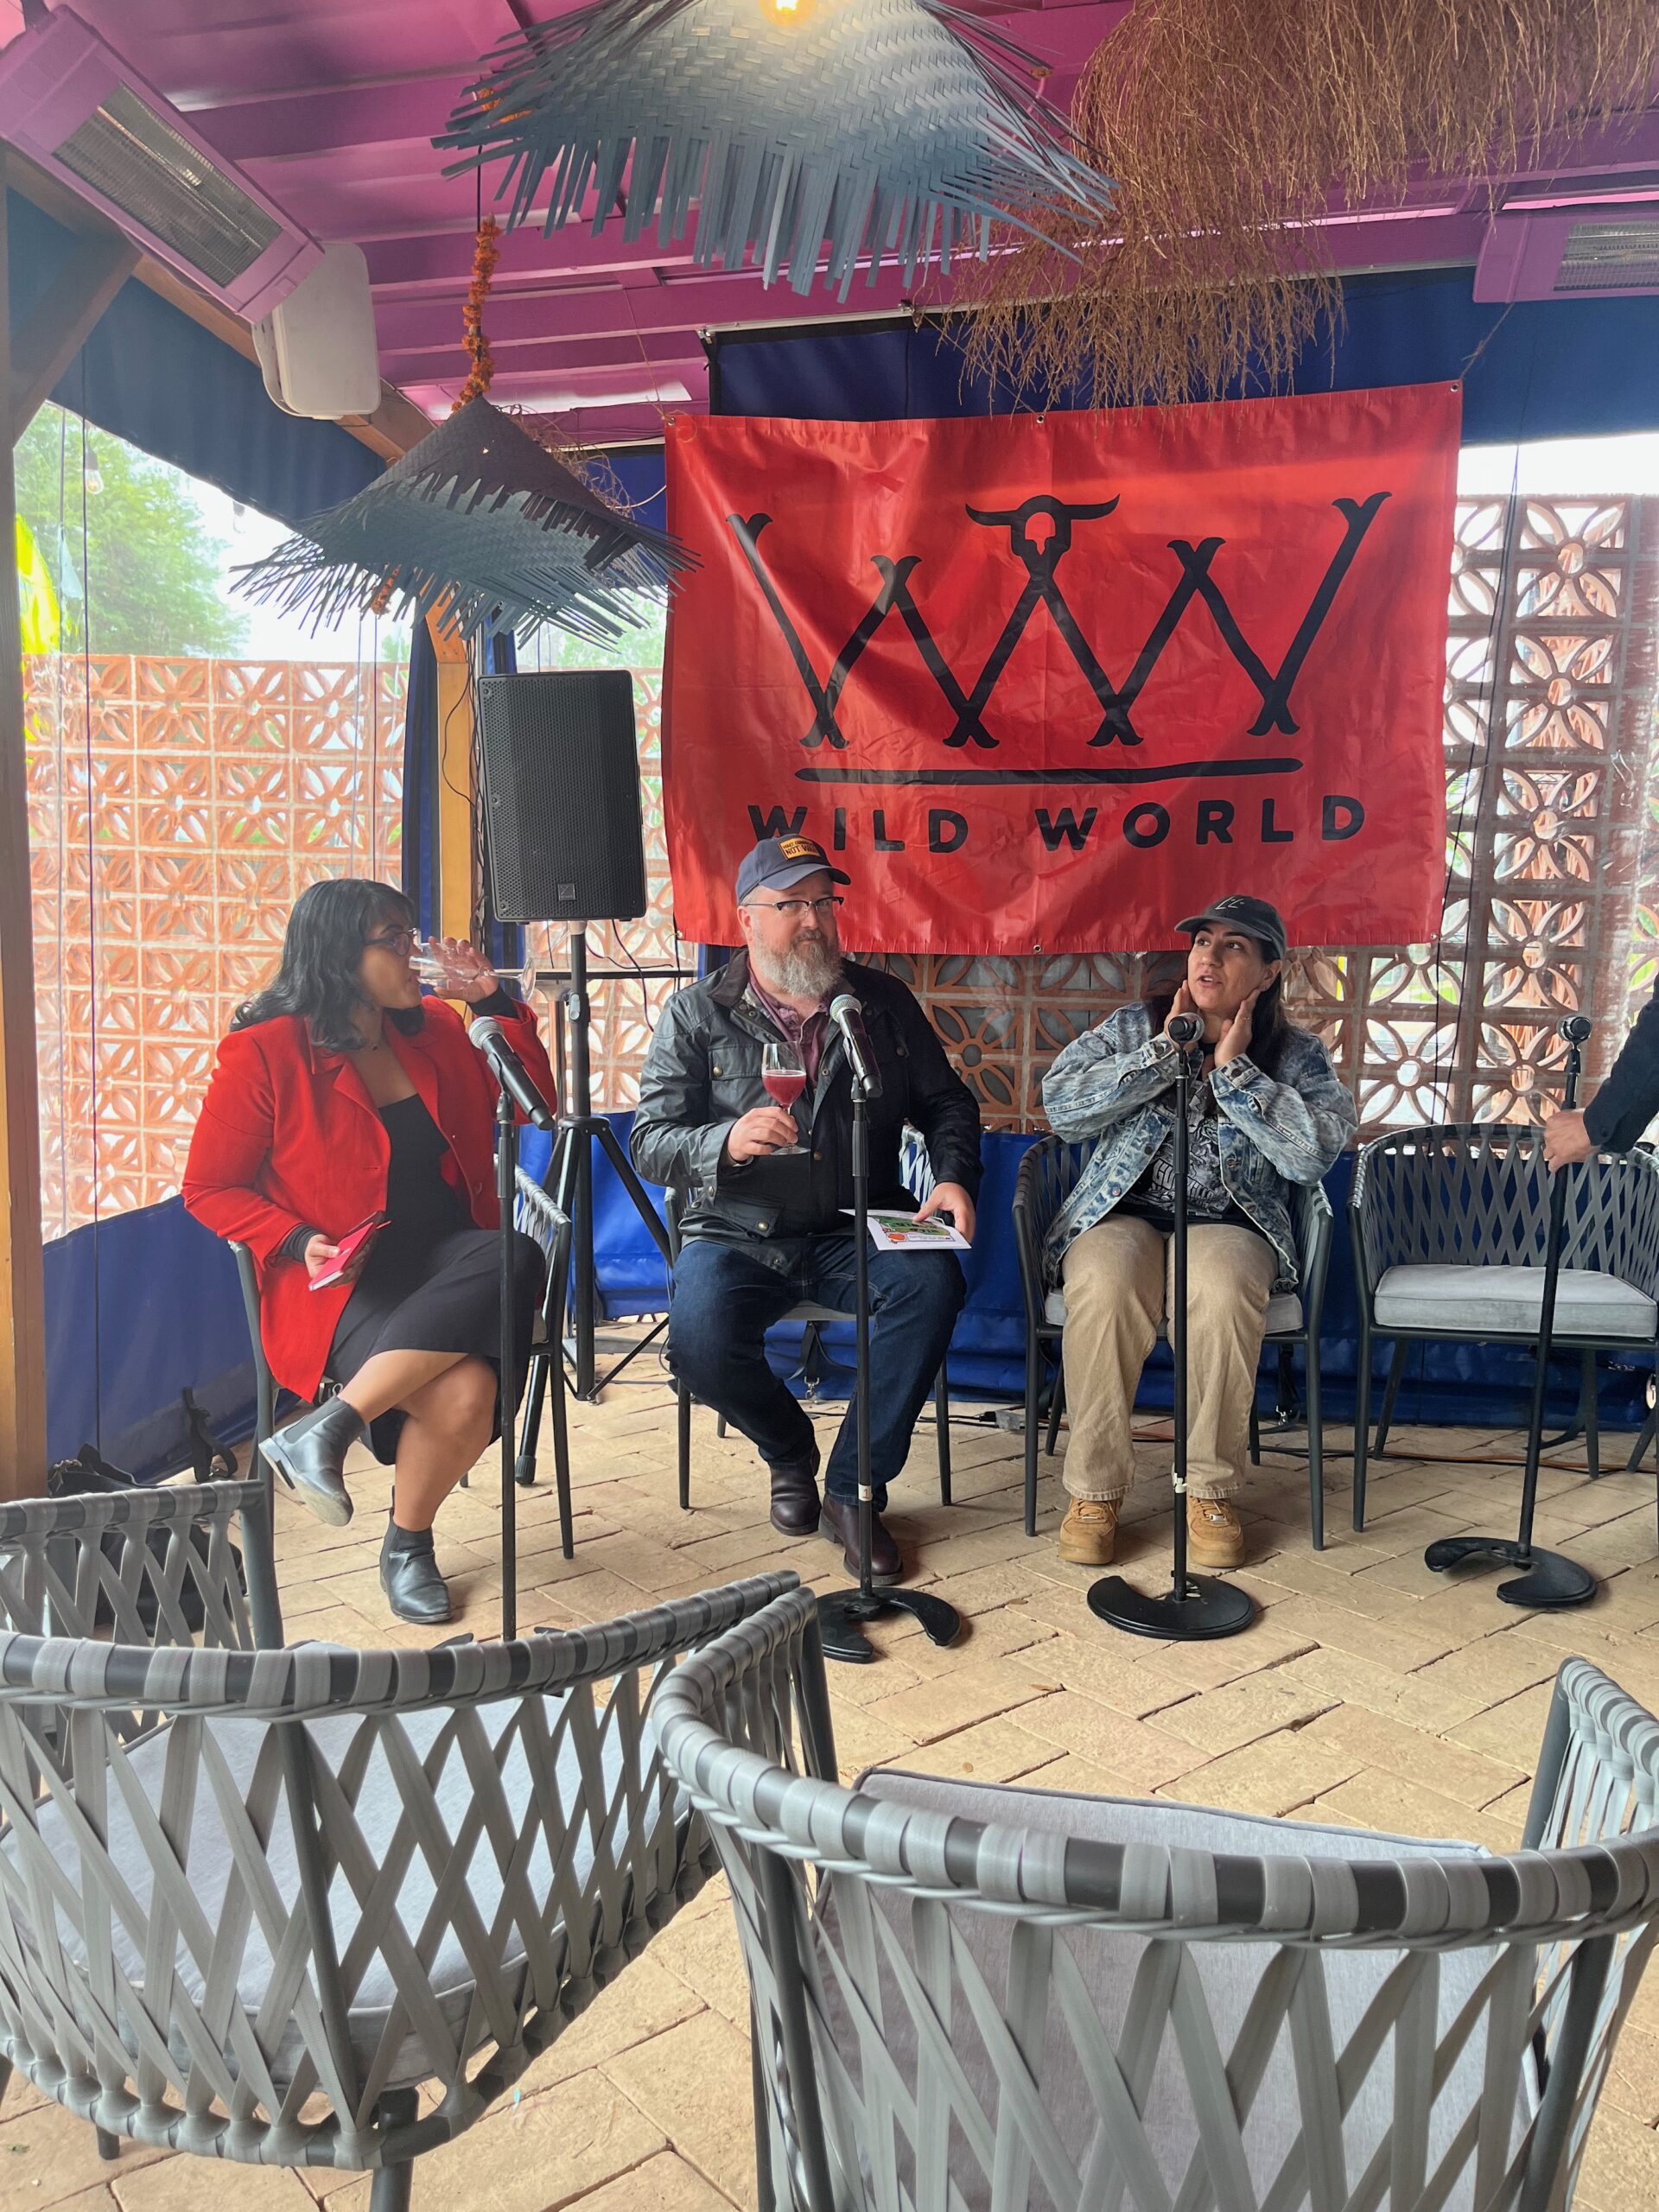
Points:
(288, 1135)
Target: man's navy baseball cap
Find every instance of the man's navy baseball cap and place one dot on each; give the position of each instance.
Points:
(776, 862)
(1238, 911)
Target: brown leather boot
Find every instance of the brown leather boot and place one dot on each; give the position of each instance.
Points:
(840, 1524)
(795, 1498)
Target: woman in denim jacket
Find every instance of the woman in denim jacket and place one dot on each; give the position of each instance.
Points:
(1266, 1112)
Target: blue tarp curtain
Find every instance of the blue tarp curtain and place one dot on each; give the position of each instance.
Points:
(140, 1305)
(1443, 1382)
(1540, 369)
(150, 375)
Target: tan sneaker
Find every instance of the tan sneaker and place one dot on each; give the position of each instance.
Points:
(1214, 1536)
(1088, 1532)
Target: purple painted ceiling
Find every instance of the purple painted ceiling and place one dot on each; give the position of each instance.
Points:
(331, 104)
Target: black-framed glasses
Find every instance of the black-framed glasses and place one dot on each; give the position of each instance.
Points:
(794, 908)
(399, 941)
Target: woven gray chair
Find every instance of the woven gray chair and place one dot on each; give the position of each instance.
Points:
(812, 1319)
(1449, 1226)
(988, 1998)
(1048, 1174)
(324, 1878)
(129, 1564)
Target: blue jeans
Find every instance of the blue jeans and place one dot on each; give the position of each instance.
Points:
(726, 1296)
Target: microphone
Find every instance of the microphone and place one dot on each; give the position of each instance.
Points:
(1183, 1028)
(847, 1014)
(1576, 1028)
(490, 1039)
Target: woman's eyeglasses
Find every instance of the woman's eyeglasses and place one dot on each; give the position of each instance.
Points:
(399, 941)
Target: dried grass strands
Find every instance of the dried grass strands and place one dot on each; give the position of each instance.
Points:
(1230, 125)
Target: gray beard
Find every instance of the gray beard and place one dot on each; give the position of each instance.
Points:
(806, 971)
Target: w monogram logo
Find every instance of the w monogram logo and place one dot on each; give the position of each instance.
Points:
(1040, 537)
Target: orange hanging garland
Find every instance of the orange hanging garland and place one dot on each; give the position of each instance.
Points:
(486, 251)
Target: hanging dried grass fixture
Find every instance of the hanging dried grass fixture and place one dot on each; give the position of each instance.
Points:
(1230, 125)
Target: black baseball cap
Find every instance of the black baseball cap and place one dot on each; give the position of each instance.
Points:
(776, 862)
(1238, 911)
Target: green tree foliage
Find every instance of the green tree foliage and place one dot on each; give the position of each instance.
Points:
(146, 577)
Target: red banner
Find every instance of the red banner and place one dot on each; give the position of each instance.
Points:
(1047, 684)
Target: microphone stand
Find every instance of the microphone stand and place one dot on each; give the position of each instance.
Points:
(506, 1187)
(1549, 1582)
(842, 1611)
(1199, 1606)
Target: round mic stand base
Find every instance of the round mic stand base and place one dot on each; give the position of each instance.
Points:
(1210, 1607)
(842, 1611)
(1549, 1582)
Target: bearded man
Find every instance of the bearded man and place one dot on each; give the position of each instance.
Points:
(766, 1192)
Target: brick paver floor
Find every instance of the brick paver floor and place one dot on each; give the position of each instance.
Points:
(1368, 1692)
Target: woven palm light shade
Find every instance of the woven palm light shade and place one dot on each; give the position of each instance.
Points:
(895, 128)
(481, 526)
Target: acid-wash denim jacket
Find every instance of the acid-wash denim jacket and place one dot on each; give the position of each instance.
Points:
(1115, 1083)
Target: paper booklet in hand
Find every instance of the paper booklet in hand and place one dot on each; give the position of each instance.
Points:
(903, 1232)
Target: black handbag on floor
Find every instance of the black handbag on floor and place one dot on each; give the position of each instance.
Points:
(89, 1474)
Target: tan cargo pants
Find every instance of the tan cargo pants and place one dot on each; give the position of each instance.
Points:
(1117, 1280)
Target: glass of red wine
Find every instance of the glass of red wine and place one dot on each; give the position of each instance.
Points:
(785, 1079)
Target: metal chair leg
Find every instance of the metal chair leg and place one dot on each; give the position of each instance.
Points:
(1650, 1429)
(390, 2189)
(109, 2146)
(1315, 1447)
(1255, 1434)
(1033, 1354)
(1590, 1414)
(524, 1467)
(1361, 1419)
(1391, 1392)
(682, 1423)
(942, 1422)
(1056, 1408)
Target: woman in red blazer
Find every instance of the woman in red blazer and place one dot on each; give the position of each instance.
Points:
(339, 1094)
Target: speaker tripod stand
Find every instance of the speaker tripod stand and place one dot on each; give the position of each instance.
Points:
(571, 1176)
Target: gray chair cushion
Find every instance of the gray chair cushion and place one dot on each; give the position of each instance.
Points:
(1471, 1301)
(209, 1864)
(1284, 1312)
(1230, 1972)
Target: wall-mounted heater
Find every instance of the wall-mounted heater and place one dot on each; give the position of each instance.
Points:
(80, 112)
(1598, 247)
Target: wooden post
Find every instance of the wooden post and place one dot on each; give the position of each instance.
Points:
(452, 823)
(22, 1285)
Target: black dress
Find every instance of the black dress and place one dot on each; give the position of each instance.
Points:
(432, 1279)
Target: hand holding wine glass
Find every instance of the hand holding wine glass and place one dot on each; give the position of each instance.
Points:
(785, 1079)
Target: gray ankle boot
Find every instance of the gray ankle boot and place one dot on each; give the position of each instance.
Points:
(309, 1455)
(409, 1575)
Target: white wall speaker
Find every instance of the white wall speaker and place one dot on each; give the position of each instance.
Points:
(317, 347)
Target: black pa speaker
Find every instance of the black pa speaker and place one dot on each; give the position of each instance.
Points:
(563, 837)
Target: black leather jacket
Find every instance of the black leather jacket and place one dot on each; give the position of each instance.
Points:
(702, 1071)
(1629, 1099)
